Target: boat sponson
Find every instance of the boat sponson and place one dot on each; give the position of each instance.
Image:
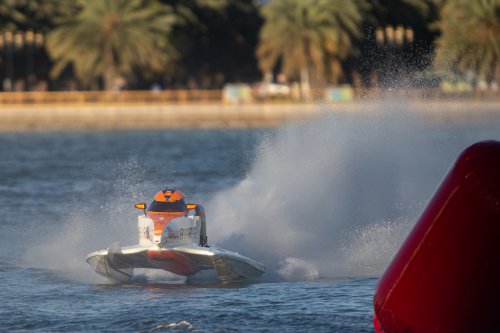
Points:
(103, 266)
(232, 267)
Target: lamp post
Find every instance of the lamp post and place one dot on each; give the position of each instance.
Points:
(6, 42)
(29, 40)
(21, 42)
(2, 47)
(394, 37)
(392, 40)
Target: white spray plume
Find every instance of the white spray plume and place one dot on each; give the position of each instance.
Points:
(90, 226)
(333, 197)
(339, 193)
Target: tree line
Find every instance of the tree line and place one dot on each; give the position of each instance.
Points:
(164, 44)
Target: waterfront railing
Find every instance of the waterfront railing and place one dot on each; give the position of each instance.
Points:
(111, 97)
(216, 96)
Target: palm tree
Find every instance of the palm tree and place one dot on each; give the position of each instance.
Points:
(470, 37)
(109, 38)
(42, 15)
(38, 15)
(10, 15)
(310, 37)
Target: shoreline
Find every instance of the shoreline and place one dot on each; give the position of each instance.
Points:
(104, 117)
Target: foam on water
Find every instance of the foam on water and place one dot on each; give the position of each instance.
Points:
(294, 269)
(181, 325)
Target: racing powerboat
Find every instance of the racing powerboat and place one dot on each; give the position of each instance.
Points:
(172, 237)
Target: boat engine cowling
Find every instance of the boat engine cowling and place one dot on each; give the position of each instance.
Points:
(200, 211)
(186, 229)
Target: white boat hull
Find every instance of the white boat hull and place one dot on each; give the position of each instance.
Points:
(118, 264)
(179, 247)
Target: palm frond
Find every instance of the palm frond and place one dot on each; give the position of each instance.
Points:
(113, 35)
(304, 33)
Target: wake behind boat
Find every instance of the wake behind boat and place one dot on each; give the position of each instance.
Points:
(172, 237)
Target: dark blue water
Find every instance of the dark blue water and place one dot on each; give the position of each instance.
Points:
(324, 205)
(52, 304)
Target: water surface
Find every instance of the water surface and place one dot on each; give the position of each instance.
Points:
(323, 204)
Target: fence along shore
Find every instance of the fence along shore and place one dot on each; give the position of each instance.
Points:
(130, 110)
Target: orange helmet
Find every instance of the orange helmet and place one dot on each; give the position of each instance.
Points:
(168, 200)
(169, 195)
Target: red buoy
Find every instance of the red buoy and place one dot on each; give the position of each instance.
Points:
(446, 275)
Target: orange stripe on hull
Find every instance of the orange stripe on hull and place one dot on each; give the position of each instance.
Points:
(173, 262)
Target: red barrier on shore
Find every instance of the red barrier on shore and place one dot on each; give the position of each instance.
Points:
(446, 276)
